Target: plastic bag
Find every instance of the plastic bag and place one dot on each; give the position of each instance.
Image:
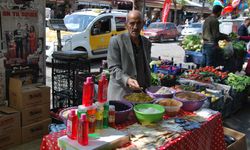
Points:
(228, 50)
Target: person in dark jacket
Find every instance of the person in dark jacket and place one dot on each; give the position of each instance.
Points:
(211, 35)
(243, 31)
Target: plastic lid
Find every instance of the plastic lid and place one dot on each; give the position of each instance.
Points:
(82, 108)
(89, 80)
(73, 112)
(111, 107)
(103, 77)
(83, 117)
(91, 107)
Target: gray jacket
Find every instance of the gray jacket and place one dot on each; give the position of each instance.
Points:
(121, 64)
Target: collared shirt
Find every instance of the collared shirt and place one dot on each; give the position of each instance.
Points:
(140, 65)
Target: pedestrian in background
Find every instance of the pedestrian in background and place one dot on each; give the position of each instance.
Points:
(211, 35)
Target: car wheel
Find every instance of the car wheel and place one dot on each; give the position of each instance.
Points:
(161, 39)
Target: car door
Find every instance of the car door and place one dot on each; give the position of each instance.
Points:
(168, 31)
(100, 35)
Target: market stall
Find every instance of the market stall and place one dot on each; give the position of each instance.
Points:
(186, 114)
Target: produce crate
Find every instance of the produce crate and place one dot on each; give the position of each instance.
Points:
(227, 109)
(193, 56)
(218, 105)
(238, 99)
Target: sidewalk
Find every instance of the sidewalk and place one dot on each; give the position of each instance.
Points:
(240, 121)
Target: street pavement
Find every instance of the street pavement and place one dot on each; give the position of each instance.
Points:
(239, 121)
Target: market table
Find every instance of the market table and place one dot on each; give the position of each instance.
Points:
(209, 137)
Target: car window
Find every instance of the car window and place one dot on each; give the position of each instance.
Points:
(168, 26)
(120, 23)
(101, 26)
(172, 26)
(156, 26)
(195, 25)
(77, 23)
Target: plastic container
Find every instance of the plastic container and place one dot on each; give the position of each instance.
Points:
(102, 89)
(91, 116)
(72, 121)
(88, 92)
(122, 110)
(191, 105)
(151, 91)
(147, 118)
(112, 116)
(83, 127)
(172, 107)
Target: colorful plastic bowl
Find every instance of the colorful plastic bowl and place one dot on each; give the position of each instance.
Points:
(151, 91)
(172, 106)
(191, 105)
(147, 118)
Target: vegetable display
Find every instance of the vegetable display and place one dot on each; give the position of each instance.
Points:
(205, 74)
(192, 43)
(237, 82)
(239, 48)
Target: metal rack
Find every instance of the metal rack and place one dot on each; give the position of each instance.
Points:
(64, 71)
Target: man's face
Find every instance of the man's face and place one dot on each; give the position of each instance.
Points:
(134, 25)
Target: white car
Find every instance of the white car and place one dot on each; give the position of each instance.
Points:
(192, 29)
(83, 34)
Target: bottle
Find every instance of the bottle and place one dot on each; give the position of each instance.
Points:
(91, 116)
(99, 115)
(102, 89)
(106, 115)
(81, 110)
(88, 92)
(83, 127)
(112, 116)
(71, 129)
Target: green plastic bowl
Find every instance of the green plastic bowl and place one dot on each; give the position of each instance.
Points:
(146, 118)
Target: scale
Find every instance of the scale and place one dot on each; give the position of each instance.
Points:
(58, 25)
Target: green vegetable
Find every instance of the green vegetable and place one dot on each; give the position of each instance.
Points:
(191, 42)
(237, 82)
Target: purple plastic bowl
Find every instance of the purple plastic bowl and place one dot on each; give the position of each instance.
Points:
(191, 105)
(122, 110)
(151, 91)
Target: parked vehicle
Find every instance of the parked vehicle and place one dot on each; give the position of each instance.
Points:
(89, 30)
(192, 29)
(161, 31)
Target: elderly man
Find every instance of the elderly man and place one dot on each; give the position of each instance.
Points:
(128, 58)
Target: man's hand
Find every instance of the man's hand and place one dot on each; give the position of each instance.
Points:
(133, 84)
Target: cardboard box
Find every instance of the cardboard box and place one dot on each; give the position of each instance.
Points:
(9, 119)
(240, 143)
(35, 114)
(10, 130)
(10, 139)
(35, 130)
(27, 95)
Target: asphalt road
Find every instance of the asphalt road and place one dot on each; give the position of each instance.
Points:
(166, 50)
